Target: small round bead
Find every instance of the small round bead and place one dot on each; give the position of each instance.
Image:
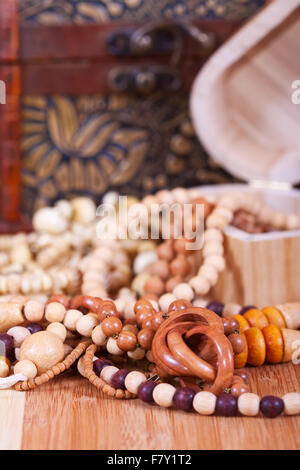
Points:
(238, 343)
(200, 284)
(34, 328)
(107, 373)
(246, 308)
(27, 368)
(180, 266)
(216, 261)
(183, 291)
(4, 368)
(145, 391)
(118, 379)
(226, 405)
(163, 394)
(172, 283)
(99, 364)
(112, 347)
(183, 398)
(7, 343)
(142, 315)
(165, 301)
(127, 340)
(137, 354)
(58, 329)
(231, 309)
(291, 403)
(239, 388)
(244, 376)
(154, 285)
(165, 251)
(160, 268)
(111, 326)
(19, 333)
(204, 403)
(157, 320)
(230, 325)
(145, 337)
(216, 307)
(98, 337)
(248, 404)
(34, 310)
(179, 305)
(271, 406)
(86, 324)
(133, 380)
(55, 312)
(71, 318)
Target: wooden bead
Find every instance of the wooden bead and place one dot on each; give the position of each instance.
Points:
(133, 380)
(19, 333)
(137, 355)
(291, 314)
(256, 318)
(111, 326)
(210, 273)
(213, 248)
(183, 291)
(274, 317)
(55, 312)
(244, 325)
(240, 360)
(291, 403)
(165, 301)
(34, 310)
(231, 309)
(180, 266)
(86, 324)
(238, 343)
(172, 283)
(71, 318)
(10, 315)
(216, 261)
(44, 349)
(58, 329)
(113, 348)
(274, 344)
(133, 328)
(4, 368)
(145, 337)
(163, 394)
(98, 337)
(291, 341)
(127, 340)
(200, 284)
(256, 346)
(248, 404)
(165, 251)
(204, 403)
(27, 368)
(160, 268)
(154, 285)
(239, 388)
(213, 234)
(107, 373)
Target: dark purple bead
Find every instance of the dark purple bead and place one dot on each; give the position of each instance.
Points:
(216, 307)
(271, 406)
(6, 344)
(99, 364)
(118, 379)
(34, 327)
(145, 391)
(246, 308)
(183, 398)
(226, 405)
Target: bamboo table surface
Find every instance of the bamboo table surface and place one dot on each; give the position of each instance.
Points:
(69, 413)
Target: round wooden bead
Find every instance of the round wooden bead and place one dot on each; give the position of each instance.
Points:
(55, 312)
(165, 251)
(133, 380)
(248, 404)
(19, 333)
(27, 368)
(256, 318)
(71, 318)
(291, 403)
(145, 337)
(111, 326)
(137, 354)
(34, 310)
(213, 248)
(172, 283)
(107, 373)
(98, 337)
(200, 284)
(160, 268)
(165, 301)
(44, 349)
(113, 348)
(127, 340)
(180, 266)
(4, 368)
(231, 309)
(210, 273)
(86, 324)
(58, 329)
(163, 395)
(133, 328)
(204, 403)
(183, 291)
(216, 261)
(154, 285)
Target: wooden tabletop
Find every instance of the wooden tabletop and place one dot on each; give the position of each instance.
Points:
(69, 413)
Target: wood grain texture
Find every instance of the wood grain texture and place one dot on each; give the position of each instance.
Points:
(69, 413)
(12, 411)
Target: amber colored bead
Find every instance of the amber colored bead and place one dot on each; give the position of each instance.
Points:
(145, 337)
(157, 320)
(244, 325)
(238, 388)
(172, 283)
(154, 285)
(238, 342)
(274, 344)
(178, 305)
(256, 346)
(127, 341)
(107, 309)
(230, 325)
(160, 268)
(165, 251)
(240, 360)
(274, 317)
(256, 318)
(142, 304)
(147, 322)
(180, 266)
(111, 326)
(142, 315)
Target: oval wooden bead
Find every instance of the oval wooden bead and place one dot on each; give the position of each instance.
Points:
(274, 317)
(163, 394)
(183, 291)
(27, 368)
(231, 309)
(44, 349)
(256, 318)
(58, 329)
(86, 324)
(19, 333)
(291, 403)
(98, 337)
(248, 404)
(34, 310)
(55, 312)
(10, 315)
(256, 346)
(127, 340)
(165, 301)
(291, 314)
(240, 360)
(137, 354)
(274, 344)
(204, 403)
(113, 348)
(133, 380)
(71, 318)
(107, 373)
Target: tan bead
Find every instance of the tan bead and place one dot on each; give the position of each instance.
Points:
(291, 403)
(172, 283)
(58, 329)
(216, 221)
(67, 350)
(133, 380)
(71, 318)
(19, 333)
(10, 315)
(98, 337)
(248, 404)
(34, 310)
(209, 272)
(107, 373)
(138, 285)
(4, 368)
(137, 354)
(183, 291)
(291, 314)
(17, 353)
(200, 284)
(163, 395)
(160, 268)
(44, 349)
(213, 234)
(154, 285)
(165, 301)
(86, 324)
(212, 248)
(180, 266)
(134, 329)
(55, 312)
(204, 403)
(27, 368)
(216, 261)
(165, 251)
(113, 348)
(149, 356)
(231, 309)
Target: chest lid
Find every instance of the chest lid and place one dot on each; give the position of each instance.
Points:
(245, 102)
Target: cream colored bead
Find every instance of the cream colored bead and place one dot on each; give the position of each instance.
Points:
(20, 254)
(291, 403)
(209, 272)
(248, 404)
(133, 380)
(138, 283)
(19, 333)
(213, 234)
(17, 353)
(137, 354)
(107, 373)
(120, 305)
(58, 329)
(212, 248)
(113, 348)
(55, 312)
(292, 222)
(143, 260)
(200, 284)
(129, 310)
(224, 212)
(44, 349)
(98, 337)
(86, 324)
(4, 369)
(27, 368)
(216, 221)
(84, 210)
(154, 304)
(200, 302)
(204, 403)
(183, 291)
(231, 309)
(48, 219)
(165, 301)
(180, 195)
(71, 318)
(216, 261)
(163, 394)
(34, 310)
(111, 198)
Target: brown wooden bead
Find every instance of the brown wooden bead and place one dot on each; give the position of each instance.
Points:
(157, 320)
(149, 296)
(238, 388)
(180, 266)
(180, 245)
(142, 304)
(238, 343)
(173, 282)
(165, 251)
(244, 376)
(154, 285)
(178, 305)
(145, 337)
(147, 322)
(142, 315)
(107, 309)
(127, 340)
(160, 268)
(230, 325)
(111, 326)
